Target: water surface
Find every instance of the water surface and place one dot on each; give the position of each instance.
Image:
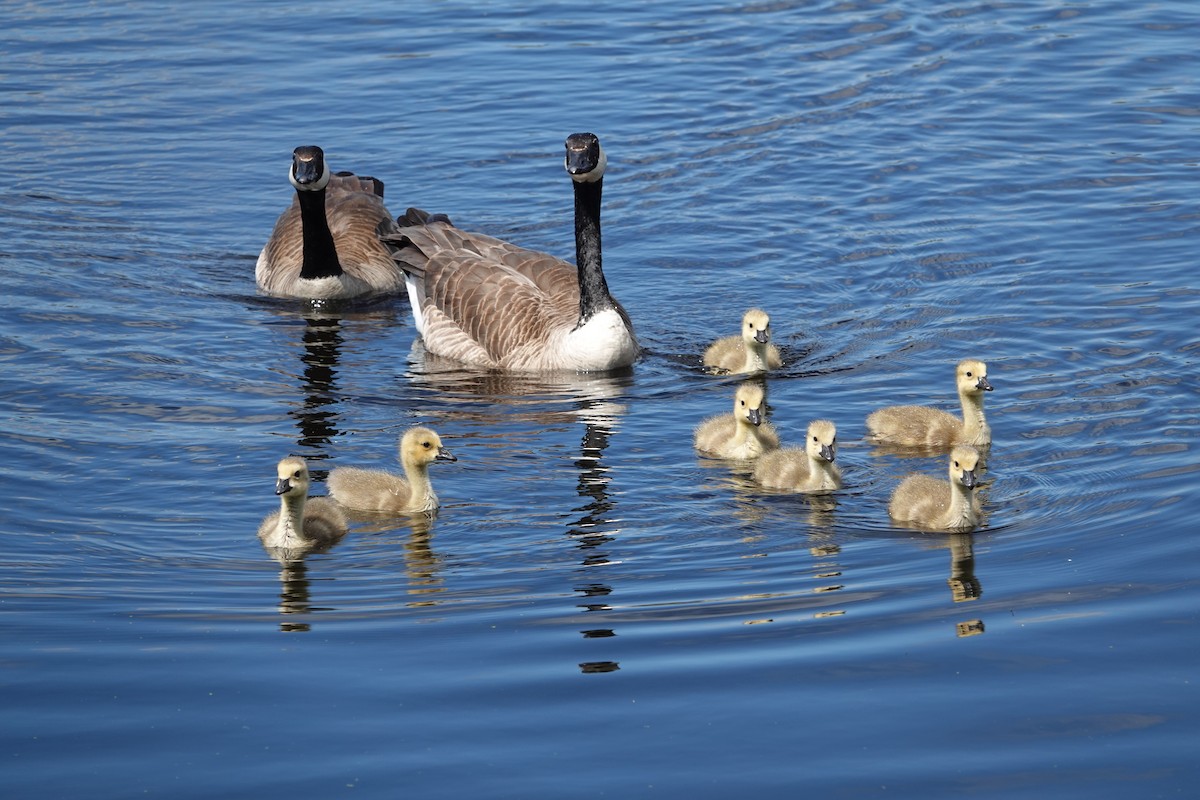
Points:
(597, 611)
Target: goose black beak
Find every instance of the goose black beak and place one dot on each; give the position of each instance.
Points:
(968, 479)
(827, 452)
(283, 486)
(583, 153)
(307, 165)
(444, 455)
(760, 337)
(755, 416)
(984, 385)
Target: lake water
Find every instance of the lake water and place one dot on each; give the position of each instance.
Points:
(598, 612)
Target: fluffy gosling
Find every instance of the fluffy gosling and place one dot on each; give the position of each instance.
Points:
(929, 503)
(752, 351)
(376, 490)
(744, 434)
(810, 469)
(919, 425)
(301, 521)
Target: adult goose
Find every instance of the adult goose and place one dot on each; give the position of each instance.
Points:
(483, 301)
(326, 245)
(932, 427)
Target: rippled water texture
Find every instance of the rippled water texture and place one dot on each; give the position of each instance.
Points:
(597, 611)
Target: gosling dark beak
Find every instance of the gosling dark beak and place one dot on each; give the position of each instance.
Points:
(444, 455)
(761, 336)
(283, 486)
(984, 385)
(968, 479)
(827, 452)
(755, 416)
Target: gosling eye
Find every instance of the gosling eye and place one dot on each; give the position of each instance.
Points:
(743, 402)
(970, 374)
(296, 474)
(426, 445)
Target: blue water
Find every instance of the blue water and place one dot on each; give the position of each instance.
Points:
(597, 612)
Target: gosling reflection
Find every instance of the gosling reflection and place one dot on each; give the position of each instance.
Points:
(965, 586)
(422, 564)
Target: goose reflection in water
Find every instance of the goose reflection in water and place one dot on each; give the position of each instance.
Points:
(317, 415)
(542, 402)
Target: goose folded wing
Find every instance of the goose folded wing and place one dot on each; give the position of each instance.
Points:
(494, 304)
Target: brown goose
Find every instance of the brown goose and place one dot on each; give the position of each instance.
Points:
(301, 521)
(752, 351)
(326, 244)
(919, 425)
(929, 503)
(483, 301)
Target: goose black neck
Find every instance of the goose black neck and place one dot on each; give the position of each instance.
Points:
(320, 255)
(593, 289)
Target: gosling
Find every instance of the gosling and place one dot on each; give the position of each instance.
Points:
(301, 521)
(810, 469)
(931, 427)
(929, 503)
(750, 352)
(745, 434)
(379, 491)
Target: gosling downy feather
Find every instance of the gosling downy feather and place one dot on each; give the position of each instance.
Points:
(752, 351)
(301, 521)
(810, 469)
(930, 503)
(919, 425)
(744, 434)
(326, 245)
(375, 490)
(486, 302)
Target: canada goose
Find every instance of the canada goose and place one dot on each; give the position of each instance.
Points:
(929, 503)
(752, 351)
(326, 244)
(810, 469)
(486, 302)
(919, 425)
(375, 490)
(742, 435)
(301, 520)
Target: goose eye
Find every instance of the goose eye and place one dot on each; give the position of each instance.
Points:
(956, 464)
(296, 474)
(969, 374)
(426, 445)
